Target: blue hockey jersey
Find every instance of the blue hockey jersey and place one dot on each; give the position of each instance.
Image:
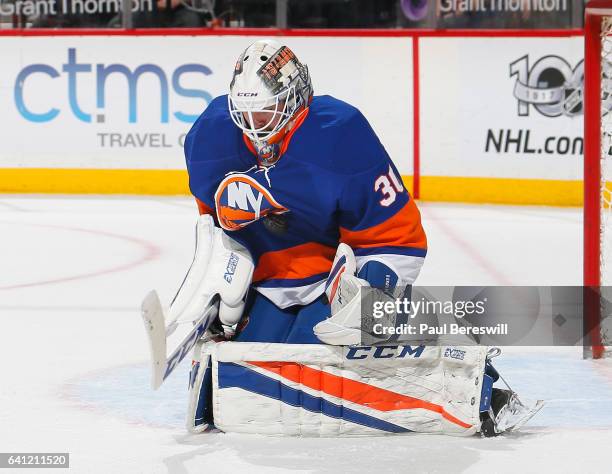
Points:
(333, 183)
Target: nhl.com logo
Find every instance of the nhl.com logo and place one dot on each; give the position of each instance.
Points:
(550, 85)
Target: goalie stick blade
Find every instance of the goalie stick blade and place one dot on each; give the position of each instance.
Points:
(155, 325)
(189, 340)
(157, 331)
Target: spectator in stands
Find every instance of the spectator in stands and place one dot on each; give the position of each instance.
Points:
(166, 14)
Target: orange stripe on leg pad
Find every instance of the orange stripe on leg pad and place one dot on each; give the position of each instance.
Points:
(360, 393)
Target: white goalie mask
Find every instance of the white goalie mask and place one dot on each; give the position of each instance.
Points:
(271, 83)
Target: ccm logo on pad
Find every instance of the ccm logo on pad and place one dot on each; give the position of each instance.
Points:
(384, 352)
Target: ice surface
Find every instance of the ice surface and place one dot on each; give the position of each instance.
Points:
(73, 353)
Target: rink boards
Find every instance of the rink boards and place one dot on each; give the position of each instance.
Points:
(476, 117)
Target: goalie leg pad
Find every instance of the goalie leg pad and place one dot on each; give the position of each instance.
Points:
(490, 377)
(199, 411)
(317, 390)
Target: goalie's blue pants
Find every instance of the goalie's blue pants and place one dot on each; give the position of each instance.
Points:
(265, 322)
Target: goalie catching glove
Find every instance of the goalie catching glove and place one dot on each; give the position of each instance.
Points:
(344, 292)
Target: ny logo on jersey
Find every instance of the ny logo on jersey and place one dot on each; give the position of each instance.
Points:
(241, 200)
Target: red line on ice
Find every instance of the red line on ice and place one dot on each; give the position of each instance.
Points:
(152, 252)
(468, 248)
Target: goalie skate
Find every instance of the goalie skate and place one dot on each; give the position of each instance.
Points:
(514, 414)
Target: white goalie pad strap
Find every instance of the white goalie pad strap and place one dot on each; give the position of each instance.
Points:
(317, 390)
(220, 266)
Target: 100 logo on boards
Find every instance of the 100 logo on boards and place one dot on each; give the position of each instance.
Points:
(552, 87)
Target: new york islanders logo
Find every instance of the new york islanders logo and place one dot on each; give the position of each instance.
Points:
(240, 200)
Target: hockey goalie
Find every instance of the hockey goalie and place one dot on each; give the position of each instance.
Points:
(300, 209)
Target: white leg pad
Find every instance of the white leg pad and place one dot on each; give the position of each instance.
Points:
(331, 391)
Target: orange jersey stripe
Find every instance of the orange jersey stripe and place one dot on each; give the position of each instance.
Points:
(301, 261)
(203, 208)
(351, 390)
(403, 229)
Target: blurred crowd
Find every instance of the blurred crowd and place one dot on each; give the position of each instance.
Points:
(438, 14)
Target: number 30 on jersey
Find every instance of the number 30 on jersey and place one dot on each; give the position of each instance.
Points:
(390, 186)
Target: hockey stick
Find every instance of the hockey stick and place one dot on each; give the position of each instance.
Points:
(222, 269)
(158, 333)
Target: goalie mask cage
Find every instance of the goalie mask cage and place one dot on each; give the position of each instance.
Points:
(597, 176)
